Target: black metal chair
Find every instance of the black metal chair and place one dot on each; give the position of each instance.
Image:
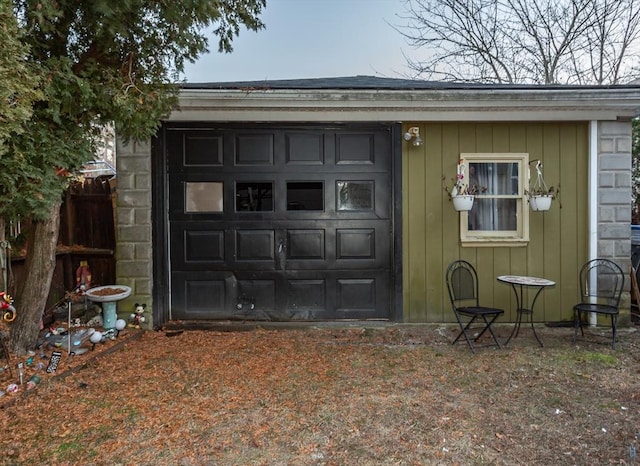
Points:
(601, 285)
(462, 282)
(635, 279)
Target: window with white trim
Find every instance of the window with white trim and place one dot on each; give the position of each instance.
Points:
(499, 216)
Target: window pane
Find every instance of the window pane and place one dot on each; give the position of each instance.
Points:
(355, 195)
(493, 215)
(254, 197)
(203, 197)
(498, 179)
(498, 215)
(305, 195)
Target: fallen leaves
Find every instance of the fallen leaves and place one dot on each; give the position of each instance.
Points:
(397, 395)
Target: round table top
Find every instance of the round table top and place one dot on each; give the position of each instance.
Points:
(524, 280)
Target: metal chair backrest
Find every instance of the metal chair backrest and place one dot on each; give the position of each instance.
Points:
(462, 282)
(635, 259)
(601, 281)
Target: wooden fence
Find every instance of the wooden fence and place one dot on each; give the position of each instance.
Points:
(87, 232)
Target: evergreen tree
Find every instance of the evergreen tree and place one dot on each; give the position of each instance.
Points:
(99, 61)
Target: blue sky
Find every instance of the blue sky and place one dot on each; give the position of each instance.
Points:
(312, 39)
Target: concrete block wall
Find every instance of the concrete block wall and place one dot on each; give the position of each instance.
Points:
(614, 190)
(614, 198)
(133, 227)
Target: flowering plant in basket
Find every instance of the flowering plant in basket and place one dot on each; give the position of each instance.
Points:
(543, 190)
(461, 186)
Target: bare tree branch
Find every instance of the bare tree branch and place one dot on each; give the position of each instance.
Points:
(611, 46)
(524, 41)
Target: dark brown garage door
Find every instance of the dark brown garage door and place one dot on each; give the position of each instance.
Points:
(280, 223)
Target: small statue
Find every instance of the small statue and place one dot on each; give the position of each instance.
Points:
(6, 307)
(137, 317)
(95, 321)
(83, 277)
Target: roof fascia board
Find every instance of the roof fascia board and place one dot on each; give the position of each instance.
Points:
(402, 105)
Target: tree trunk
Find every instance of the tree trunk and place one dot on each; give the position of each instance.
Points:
(4, 261)
(32, 294)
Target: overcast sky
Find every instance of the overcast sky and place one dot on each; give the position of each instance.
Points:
(312, 39)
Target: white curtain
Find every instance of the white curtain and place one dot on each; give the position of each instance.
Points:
(491, 214)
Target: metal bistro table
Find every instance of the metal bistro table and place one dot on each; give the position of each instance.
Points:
(518, 283)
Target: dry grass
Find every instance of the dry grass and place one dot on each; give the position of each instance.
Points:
(394, 395)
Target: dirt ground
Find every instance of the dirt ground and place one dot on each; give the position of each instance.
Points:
(332, 395)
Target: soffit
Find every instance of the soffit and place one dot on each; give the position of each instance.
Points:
(490, 104)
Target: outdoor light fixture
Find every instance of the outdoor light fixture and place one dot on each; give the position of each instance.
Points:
(413, 135)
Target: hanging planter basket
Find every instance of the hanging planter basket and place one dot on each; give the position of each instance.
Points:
(540, 195)
(462, 194)
(462, 202)
(540, 203)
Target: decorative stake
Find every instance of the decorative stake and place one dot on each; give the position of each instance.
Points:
(69, 330)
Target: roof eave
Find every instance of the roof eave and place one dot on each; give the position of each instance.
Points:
(407, 105)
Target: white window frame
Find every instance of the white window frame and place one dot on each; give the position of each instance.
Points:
(490, 238)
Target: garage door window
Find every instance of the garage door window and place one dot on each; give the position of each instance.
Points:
(204, 197)
(305, 195)
(254, 197)
(355, 195)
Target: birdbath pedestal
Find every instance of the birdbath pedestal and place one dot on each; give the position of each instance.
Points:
(108, 296)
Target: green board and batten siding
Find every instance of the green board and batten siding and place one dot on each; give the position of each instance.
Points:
(431, 230)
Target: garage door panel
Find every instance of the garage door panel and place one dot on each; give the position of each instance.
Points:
(295, 224)
(200, 295)
(203, 246)
(255, 245)
(225, 150)
(306, 244)
(355, 244)
(339, 295)
(306, 296)
(254, 149)
(196, 149)
(356, 293)
(198, 246)
(259, 293)
(362, 151)
(202, 150)
(360, 244)
(292, 296)
(304, 149)
(358, 149)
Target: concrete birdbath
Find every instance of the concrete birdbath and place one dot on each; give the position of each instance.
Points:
(108, 296)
